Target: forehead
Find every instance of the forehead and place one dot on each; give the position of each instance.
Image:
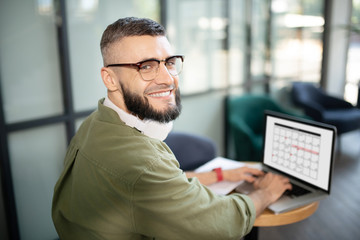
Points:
(138, 48)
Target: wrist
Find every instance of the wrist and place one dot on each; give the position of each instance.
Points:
(261, 199)
(267, 196)
(219, 174)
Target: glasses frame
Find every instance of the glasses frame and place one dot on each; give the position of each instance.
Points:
(138, 65)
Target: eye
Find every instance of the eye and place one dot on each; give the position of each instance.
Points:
(171, 61)
(148, 65)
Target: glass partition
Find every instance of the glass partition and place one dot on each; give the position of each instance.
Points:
(30, 70)
(259, 35)
(36, 163)
(296, 39)
(237, 42)
(352, 84)
(201, 36)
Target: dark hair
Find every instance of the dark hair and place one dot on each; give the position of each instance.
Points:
(126, 27)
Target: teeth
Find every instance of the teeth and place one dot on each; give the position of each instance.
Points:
(163, 94)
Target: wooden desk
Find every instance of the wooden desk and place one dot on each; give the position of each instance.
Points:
(269, 219)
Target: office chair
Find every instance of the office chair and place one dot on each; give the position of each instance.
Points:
(325, 108)
(191, 150)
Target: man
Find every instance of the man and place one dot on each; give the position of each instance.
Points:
(120, 180)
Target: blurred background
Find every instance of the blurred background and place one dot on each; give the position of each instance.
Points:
(50, 75)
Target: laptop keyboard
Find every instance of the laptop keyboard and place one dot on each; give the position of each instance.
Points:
(296, 191)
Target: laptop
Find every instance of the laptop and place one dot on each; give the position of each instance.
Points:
(302, 150)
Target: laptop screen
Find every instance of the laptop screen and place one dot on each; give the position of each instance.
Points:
(300, 148)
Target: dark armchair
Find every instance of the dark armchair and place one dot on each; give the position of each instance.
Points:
(191, 150)
(325, 108)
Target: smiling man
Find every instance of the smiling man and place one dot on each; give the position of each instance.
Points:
(151, 91)
(120, 180)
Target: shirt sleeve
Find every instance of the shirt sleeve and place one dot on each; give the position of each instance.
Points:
(167, 205)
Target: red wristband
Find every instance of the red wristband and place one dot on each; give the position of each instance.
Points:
(219, 174)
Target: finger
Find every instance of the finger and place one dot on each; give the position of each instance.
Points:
(256, 183)
(285, 179)
(254, 171)
(269, 175)
(250, 178)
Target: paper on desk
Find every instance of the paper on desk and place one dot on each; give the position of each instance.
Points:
(223, 187)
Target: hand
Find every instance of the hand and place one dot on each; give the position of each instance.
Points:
(275, 185)
(243, 173)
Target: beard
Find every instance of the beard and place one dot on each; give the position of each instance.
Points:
(141, 107)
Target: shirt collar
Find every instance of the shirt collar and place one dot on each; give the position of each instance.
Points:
(149, 128)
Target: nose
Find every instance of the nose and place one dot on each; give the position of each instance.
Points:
(164, 77)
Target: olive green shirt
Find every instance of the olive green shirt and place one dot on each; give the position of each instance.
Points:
(118, 183)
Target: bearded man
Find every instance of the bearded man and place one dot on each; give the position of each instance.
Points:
(120, 180)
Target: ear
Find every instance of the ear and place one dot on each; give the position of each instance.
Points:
(109, 79)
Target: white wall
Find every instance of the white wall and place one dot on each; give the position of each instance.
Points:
(203, 115)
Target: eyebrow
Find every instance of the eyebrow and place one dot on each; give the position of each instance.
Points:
(149, 59)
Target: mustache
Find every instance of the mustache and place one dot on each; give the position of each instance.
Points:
(160, 87)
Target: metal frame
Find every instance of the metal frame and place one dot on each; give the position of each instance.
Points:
(6, 178)
(326, 39)
(63, 48)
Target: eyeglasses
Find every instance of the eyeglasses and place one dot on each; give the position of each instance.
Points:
(149, 68)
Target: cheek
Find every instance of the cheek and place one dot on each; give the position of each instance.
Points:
(176, 82)
(134, 84)
(140, 87)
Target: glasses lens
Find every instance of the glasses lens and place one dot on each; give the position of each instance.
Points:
(174, 65)
(149, 69)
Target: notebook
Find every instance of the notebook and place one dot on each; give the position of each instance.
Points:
(303, 151)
